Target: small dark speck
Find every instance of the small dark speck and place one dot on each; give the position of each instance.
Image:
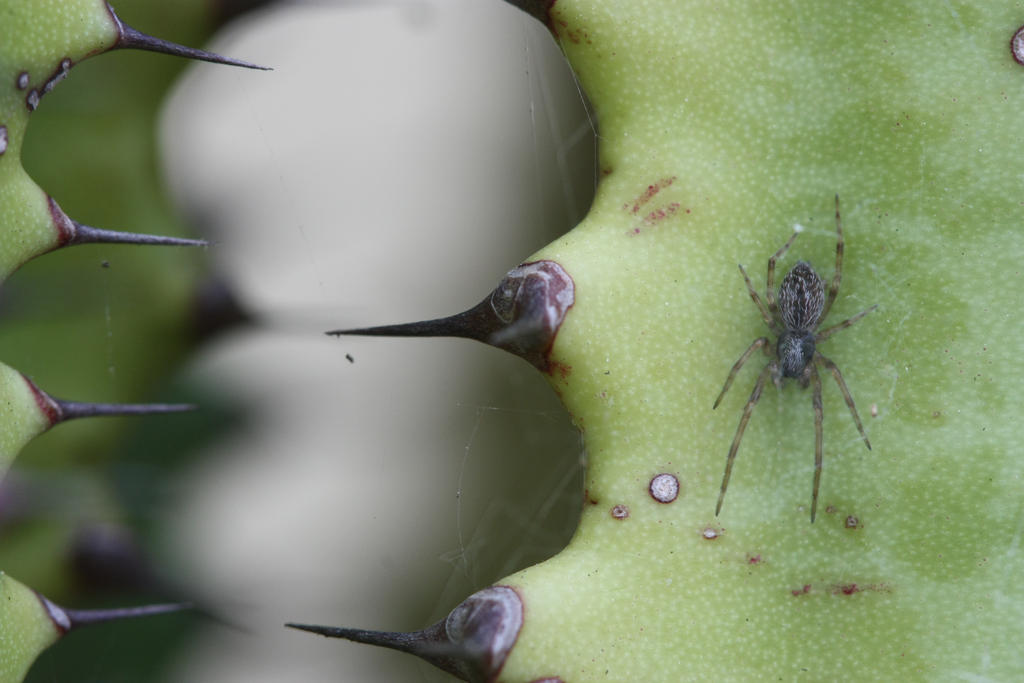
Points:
(349, 358)
(104, 264)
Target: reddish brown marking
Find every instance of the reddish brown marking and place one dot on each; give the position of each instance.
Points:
(710, 533)
(754, 559)
(620, 512)
(661, 214)
(46, 405)
(852, 522)
(648, 195)
(562, 369)
(804, 590)
(589, 498)
(64, 226)
(852, 588)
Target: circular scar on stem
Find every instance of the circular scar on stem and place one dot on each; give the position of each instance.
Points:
(664, 488)
(620, 512)
(1017, 46)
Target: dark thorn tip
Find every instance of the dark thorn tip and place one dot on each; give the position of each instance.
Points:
(133, 39)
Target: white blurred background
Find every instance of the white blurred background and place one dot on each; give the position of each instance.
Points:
(400, 158)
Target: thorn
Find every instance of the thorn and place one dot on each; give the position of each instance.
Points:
(522, 315)
(71, 232)
(129, 38)
(413, 641)
(86, 234)
(59, 410)
(69, 619)
(71, 410)
(471, 643)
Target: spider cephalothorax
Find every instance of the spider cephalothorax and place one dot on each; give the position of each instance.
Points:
(794, 318)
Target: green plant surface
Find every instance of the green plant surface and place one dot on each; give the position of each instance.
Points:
(25, 629)
(723, 126)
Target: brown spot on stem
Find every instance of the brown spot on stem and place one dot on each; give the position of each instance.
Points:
(620, 512)
(852, 522)
(711, 533)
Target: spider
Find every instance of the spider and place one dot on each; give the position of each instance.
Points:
(794, 319)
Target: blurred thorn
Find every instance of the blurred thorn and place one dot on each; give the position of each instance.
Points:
(71, 232)
(216, 309)
(538, 9)
(129, 38)
(522, 315)
(107, 558)
(471, 643)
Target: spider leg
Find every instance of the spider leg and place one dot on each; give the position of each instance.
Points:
(755, 396)
(768, 319)
(758, 343)
(819, 358)
(770, 283)
(818, 413)
(833, 288)
(828, 332)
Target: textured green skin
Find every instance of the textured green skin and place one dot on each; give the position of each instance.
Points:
(74, 30)
(761, 112)
(25, 629)
(21, 418)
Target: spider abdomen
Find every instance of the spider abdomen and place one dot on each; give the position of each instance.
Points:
(801, 299)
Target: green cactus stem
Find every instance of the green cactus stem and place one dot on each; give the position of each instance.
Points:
(30, 623)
